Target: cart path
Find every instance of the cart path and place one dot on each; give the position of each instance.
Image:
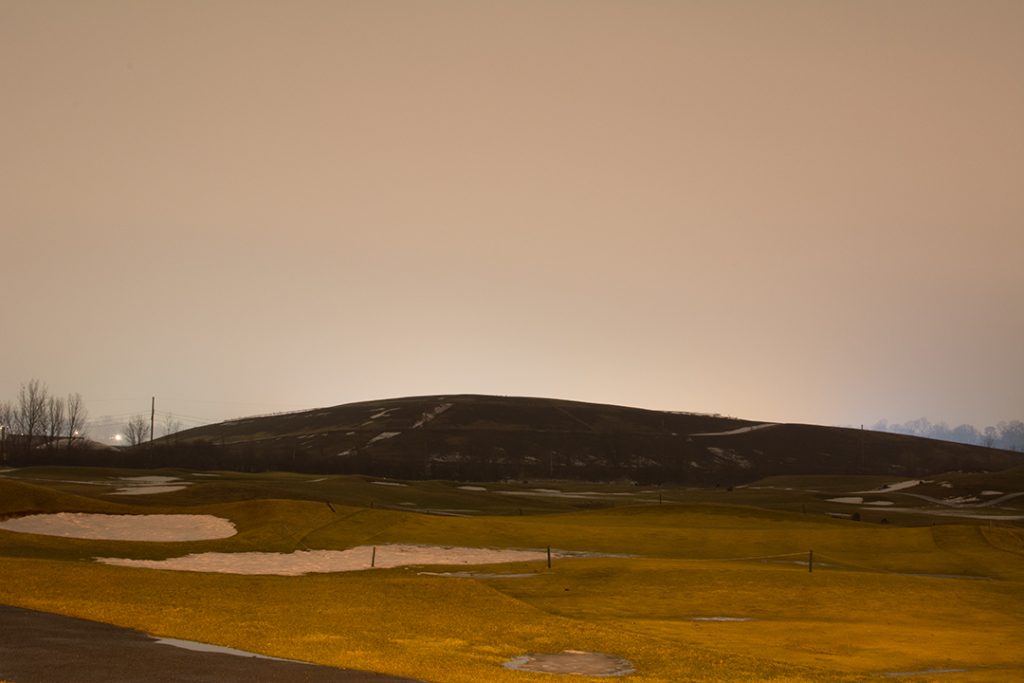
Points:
(38, 647)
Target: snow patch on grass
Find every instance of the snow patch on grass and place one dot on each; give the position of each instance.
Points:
(431, 414)
(898, 486)
(382, 436)
(741, 430)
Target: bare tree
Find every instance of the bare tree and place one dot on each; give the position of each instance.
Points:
(55, 420)
(137, 430)
(6, 423)
(31, 411)
(171, 425)
(76, 417)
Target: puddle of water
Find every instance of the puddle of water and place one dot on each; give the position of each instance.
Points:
(148, 485)
(196, 646)
(150, 480)
(145, 490)
(572, 662)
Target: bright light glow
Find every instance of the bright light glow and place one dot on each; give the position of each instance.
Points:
(118, 437)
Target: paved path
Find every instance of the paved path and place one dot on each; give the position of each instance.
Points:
(37, 647)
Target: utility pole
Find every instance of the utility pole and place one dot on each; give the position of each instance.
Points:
(152, 417)
(860, 464)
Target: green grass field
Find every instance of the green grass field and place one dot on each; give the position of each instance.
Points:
(922, 593)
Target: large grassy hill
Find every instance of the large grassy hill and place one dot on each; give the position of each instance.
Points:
(470, 437)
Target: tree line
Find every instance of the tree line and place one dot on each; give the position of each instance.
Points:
(37, 418)
(39, 427)
(1006, 435)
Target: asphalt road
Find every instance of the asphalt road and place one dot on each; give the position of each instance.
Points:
(37, 647)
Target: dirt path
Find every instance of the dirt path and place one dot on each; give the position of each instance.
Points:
(38, 647)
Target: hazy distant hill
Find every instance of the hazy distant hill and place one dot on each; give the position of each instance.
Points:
(471, 437)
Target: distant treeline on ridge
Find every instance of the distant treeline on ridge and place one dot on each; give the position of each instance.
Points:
(1006, 435)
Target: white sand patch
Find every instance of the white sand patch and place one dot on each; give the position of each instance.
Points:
(145, 490)
(382, 436)
(387, 483)
(879, 502)
(323, 561)
(315, 481)
(472, 488)
(123, 527)
(991, 493)
(849, 500)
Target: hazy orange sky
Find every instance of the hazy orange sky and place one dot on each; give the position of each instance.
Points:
(781, 210)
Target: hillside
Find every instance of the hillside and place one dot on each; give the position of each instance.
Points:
(469, 437)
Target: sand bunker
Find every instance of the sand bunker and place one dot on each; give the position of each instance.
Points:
(323, 561)
(572, 662)
(123, 527)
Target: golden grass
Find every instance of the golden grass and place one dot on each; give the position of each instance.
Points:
(857, 616)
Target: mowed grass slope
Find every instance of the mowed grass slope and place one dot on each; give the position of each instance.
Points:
(867, 609)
